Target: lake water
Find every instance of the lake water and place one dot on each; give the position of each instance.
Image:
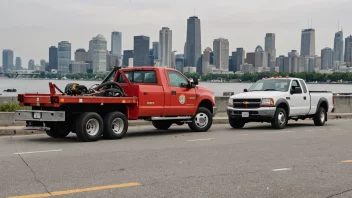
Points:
(42, 86)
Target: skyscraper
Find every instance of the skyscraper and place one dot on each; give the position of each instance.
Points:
(97, 53)
(64, 57)
(165, 43)
(7, 59)
(18, 63)
(270, 48)
(156, 50)
(233, 66)
(293, 61)
(31, 65)
(116, 43)
(338, 46)
(53, 58)
(240, 54)
(280, 63)
(127, 54)
(193, 43)
(42, 65)
(250, 58)
(308, 42)
(81, 55)
(180, 62)
(141, 51)
(206, 60)
(261, 58)
(221, 53)
(327, 58)
(348, 49)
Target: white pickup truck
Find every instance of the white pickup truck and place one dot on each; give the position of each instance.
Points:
(276, 100)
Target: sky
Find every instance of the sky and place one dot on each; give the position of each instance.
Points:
(30, 27)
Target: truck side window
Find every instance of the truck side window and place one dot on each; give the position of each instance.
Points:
(129, 76)
(303, 86)
(144, 77)
(176, 79)
(295, 84)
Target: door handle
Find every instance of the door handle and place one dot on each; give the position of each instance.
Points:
(173, 92)
(145, 93)
(304, 97)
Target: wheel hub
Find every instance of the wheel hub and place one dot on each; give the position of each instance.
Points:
(201, 120)
(117, 125)
(92, 127)
(281, 118)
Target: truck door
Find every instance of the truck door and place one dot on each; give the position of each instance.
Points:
(182, 99)
(306, 99)
(297, 98)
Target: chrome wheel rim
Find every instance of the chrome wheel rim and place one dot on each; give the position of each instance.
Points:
(117, 125)
(322, 116)
(92, 127)
(281, 118)
(201, 120)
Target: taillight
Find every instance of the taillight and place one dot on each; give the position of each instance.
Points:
(333, 100)
(54, 99)
(20, 98)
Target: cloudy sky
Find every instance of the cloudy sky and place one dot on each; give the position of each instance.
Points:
(30, 27)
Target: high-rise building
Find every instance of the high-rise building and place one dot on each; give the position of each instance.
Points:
(127, 54)
(233, 66)
(270, 48)
(293, 61)
(7, 60)
(206, 60)
(338, 46)
(64, 57)
(180, 62)
(18, 63)
(221, 53)
(280, 63)
(327, 58)
(308, 42)
(165, 43)
(156, 50)
(116, 43)
(31, 65)
(111, 61)
(97, 53)
(81, 55)
(250, 58)
(141, 51)
(42, 65)
(261, 58)
(193, 43)
(53, 58)
(348, 49)
(240, 55)
(173, 59)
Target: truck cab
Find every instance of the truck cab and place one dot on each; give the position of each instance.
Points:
(277, 100)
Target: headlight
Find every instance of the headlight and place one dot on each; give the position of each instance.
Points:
(268, 102)
(230, 103)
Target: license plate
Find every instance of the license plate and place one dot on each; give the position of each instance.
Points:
(245, 114)
(37, 115)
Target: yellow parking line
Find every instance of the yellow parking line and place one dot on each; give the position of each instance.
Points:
(347, 161)
(65, 192)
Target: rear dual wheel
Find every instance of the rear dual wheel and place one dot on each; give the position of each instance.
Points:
(89, 127)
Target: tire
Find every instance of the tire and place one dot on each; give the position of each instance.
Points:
(236, 123)
(57, 130)
(202, 121)
(320, 117)
(89, 127)
(280, 119)
(162, 125)
(115, 125)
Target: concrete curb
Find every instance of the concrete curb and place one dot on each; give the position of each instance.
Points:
(17, 130)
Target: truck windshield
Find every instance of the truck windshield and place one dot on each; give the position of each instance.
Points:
(271, 85)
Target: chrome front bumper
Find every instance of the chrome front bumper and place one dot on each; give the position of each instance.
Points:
(263, 112)
(46, 116)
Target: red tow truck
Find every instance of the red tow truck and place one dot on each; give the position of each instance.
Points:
(163, 96)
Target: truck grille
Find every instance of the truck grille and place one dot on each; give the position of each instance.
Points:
(246, 103)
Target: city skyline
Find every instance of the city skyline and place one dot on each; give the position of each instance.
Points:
(216, 21)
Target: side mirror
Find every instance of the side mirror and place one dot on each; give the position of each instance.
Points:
(245, 90)
(195, 81)
(296, 90)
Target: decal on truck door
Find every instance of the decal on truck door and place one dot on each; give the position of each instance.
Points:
(182, 99)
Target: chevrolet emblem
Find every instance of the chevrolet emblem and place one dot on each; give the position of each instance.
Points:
(245, 102)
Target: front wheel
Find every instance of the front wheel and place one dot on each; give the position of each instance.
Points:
(89, 127)
(115, 125)
(280, 119)
(236, 123)
(202, 121)
(320, 117)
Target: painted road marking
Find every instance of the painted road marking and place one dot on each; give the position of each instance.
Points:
(23, 153)
(336, 129)
(282, 169)
(347, 161)
(201, 140)
(280, 132)
(81, 190)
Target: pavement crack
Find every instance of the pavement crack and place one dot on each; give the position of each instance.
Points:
(337, 194)
(35, 176)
